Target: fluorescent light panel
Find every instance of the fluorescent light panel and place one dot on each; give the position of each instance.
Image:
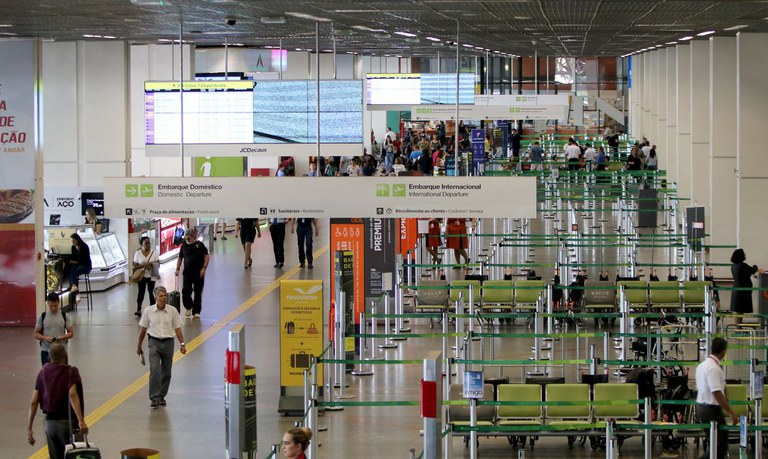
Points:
(405, 34)
(704, 34)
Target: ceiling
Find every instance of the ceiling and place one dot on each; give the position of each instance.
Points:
(519, 27)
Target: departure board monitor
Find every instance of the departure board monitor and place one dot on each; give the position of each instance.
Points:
(419, 88)
(215, 112)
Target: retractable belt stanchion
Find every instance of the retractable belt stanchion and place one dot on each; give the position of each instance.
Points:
(360, 370)
(431, 405)
(459, 329)
(341, 351)
(647, 441)
(473, 432)
(713, 440)
(399, 299)
(388, 344)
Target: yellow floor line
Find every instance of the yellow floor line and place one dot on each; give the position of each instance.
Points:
(110, 405)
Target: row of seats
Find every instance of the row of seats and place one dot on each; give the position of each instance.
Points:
(583, 415)
(522, 295)
(576, 416)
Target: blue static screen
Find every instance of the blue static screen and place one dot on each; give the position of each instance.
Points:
(285, 112)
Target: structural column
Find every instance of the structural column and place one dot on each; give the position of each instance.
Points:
(669, 154)
(751, 163)
(700, 96)
(635, 113)
(683, 145)
(652, 96)
(722, 148)
(660, 138)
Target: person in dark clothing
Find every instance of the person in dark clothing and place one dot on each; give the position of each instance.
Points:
(194, 255)
(277, 231)
(57, 390)
(304, 238)
(79, 264)
(248, 228)
(425, 164)
(741, 301)
(515, 140)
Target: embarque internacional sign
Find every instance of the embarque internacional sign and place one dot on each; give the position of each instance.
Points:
(374, 197)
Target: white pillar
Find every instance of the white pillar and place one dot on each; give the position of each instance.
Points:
(653, 100)
(646, 96)
(636, 115)
(683, 146)
(722, 151)
(660, 139)
(669, 157)
(700, 95)
(751, 116)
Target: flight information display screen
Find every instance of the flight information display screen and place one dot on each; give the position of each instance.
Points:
(286, 111)
(419, 88)
(215, 112)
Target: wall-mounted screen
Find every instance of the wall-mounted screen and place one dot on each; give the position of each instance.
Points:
(241, 118)
(94, 200)
(286, 111)
(215, 112)
(418, 88)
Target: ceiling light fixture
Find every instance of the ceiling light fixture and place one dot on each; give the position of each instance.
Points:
(109, 37)
(296, 14)
(704, 34)
(405, 34)
(9, 34)
(273, 19)
(433, 39)
(686, 38)
(148, 2)
(6, 25)
(736, 27)
(87, 35)
(671, 43)
(467, 45)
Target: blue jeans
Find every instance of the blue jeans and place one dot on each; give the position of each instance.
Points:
(75, 272)
(304, 237)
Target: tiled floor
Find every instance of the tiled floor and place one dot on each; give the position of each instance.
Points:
(192, 425)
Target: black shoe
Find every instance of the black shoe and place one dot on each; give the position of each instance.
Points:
(155, 403)
(162, 402)
(301, 265)
(223, 238)
(310, 266)
(137, 313)
(279, 265)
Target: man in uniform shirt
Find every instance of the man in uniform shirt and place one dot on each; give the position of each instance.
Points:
(161, 323)
(710, 398)
(58, 388)
(194, 255)
(52, 326)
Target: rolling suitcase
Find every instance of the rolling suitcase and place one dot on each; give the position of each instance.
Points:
(81, 450)
(174, 297)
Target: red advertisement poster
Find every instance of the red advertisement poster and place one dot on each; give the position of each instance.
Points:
(349, 234)
(409, 235)
(17, 274)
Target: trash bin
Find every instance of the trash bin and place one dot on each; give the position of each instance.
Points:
(139, 453)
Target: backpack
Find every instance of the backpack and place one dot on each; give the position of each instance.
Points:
(42, 322)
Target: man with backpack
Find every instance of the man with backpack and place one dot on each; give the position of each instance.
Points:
(52, 326)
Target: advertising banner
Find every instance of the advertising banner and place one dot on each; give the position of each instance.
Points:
(478, 149)
(65, 205)
(206, 166)
(301, 328)
(17, 183)
(348, 236)
(489, 112)
(380, 237)
(249, 149)
(408, 235)
(422, 197)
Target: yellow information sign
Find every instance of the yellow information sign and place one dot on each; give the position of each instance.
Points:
(301, 328)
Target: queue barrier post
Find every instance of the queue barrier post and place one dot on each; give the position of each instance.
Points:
(647, 446)
(388, 344)
(713, 440)
(360, 370)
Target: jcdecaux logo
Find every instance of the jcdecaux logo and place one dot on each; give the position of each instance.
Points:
(143, 190)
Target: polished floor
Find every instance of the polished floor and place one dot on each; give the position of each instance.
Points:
(192, 425)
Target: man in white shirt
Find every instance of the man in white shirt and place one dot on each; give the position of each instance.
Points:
(161, 323)
(572, 154)
(710, 399)
(589, 156)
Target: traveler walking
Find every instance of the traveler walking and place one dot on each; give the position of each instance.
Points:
(52, 326)
(194, 255)
(710, 398)
(304, 238)
(161, 323)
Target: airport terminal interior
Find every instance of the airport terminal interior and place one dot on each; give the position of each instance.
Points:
(582, 314)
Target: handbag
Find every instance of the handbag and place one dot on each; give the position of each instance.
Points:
(138, 273)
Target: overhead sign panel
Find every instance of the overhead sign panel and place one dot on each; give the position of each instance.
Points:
(384, 89)
(176, 197)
